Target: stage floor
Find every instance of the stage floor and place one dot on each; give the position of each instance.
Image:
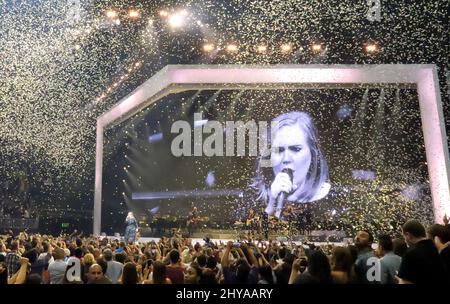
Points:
(317, 237)
(202, 242)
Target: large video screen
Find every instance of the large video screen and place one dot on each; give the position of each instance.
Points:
(355, 158)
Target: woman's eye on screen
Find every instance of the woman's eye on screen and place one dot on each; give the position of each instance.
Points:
(295, 148)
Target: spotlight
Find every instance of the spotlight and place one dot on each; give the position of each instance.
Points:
(133, 14)
(111, 14)
(371, 48)
(176, 21)
(261, 49)
(137, 64)
(316, 47)
(163, 13)
(208, 47)
(286, 48)
(232, 48)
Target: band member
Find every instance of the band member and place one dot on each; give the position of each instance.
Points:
(193, 221)
(264, 223)
(252, 221)
(289, 216)
(304, 219)
(131, 228)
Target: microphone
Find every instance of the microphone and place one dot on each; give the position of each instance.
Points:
(283, 194)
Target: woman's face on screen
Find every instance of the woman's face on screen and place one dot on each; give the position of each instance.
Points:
(290, 150)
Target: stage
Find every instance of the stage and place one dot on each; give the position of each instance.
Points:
(216, 235)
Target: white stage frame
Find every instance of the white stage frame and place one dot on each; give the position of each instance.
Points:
(178, 78)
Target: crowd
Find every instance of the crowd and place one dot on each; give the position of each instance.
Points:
(421, 256)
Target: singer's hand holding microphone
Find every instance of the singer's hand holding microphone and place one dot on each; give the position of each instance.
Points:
(280, 188)
(281, 183)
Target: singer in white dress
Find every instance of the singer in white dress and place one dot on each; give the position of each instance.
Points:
(298, 171)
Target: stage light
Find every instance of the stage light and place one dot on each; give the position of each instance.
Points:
(117, 21)
(371, 48)
(163, 13)
(137, 64)
(111, 14)
(208, 47)
(133, 14)
(261, 49)
(115, 84)
(316, 47)
(286, 48)
(155, 137)
(232, 48)
(176, 21)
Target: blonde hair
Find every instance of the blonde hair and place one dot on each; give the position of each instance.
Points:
(89, 259)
